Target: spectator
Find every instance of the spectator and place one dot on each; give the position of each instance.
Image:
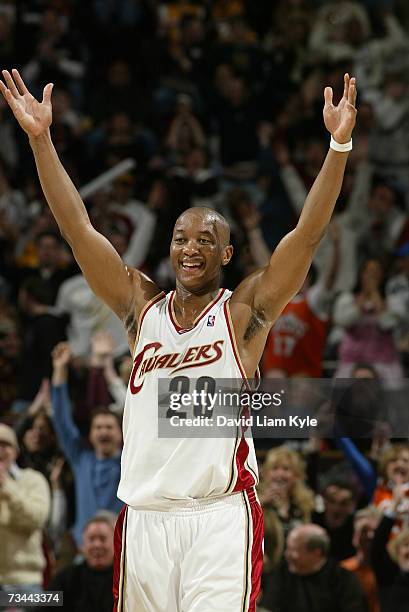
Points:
(50, 266)
(340, 500)
(9, 366)
(87, 586)
(185, 132)
(285, 498)
(397, 296)
(365, 524)
(368, 323)
(112, 384)
(308, 579)
(87, 314)
(24, 509)
(96, 470)
(390, 560)
(296, 343)
(42, 330)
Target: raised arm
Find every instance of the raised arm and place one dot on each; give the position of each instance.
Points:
(261, 297)
(124, 289)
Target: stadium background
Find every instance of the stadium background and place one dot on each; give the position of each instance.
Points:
(215, 103)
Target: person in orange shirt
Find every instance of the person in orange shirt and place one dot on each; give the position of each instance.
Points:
(365, 524)
(297, 340)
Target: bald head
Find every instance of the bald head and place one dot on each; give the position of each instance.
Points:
(307, 549)
(313, 537)
(219, 223)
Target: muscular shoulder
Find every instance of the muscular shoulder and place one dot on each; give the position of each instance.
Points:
(249, 316)
(145, 291)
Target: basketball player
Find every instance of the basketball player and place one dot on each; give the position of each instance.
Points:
(190, 536)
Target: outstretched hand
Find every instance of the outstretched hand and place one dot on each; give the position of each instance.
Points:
(340, 120)
(61, 355)
(33, 116)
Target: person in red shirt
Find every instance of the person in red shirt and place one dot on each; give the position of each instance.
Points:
(296, 342)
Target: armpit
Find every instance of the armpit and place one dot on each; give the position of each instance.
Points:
(257, 322)
(131, 324)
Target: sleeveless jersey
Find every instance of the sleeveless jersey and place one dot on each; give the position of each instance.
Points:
(296, 342)
(156, 472)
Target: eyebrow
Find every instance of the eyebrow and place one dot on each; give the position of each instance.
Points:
(182, 231)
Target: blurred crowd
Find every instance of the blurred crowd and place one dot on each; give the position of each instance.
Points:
(218, 103)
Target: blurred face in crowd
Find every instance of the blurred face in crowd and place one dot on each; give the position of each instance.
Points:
(364, 531)
(235, 91)
(8, 455)
(382, 200)
(371, 275)
(282, 474)
(98, 545)
(48, 252)
(365, 373)
(199, 248)
(119, 74)
(123, 189)
(195, 160)
(315, 153)
(398, 468)
(403, 555)
(300, 558)
(105, 435)
(40, 437)
(120, 128)
(9, 341)
(339, 505)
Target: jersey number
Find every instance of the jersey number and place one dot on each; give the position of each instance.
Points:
(204, 387)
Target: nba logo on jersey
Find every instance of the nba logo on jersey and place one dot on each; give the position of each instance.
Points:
(210, 320)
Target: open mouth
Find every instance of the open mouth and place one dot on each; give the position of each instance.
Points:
(192, 266)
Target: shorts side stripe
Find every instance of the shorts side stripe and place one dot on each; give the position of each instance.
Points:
(256, 549)
(247, 559)
(120, 560)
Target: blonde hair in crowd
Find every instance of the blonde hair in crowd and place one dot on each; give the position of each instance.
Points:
(300, 496)
(396, 543)
(391, 454)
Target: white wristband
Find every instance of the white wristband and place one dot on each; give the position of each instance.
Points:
(341, 148)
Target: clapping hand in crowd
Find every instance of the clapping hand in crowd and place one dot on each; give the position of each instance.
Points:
(42, 401)
(61, 357)
(102, 354)
(56, 472)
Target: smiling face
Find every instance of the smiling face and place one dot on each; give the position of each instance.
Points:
(282, 474)
(105, 435)
(303, 559)
(199, 248)
(398, 467)
(339, 505)
(40, 436)
(98, 545)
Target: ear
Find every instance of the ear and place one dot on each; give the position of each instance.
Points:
(227, 254)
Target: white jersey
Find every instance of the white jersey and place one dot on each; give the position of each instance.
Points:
(156, 471)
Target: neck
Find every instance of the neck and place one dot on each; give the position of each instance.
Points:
(189, 304)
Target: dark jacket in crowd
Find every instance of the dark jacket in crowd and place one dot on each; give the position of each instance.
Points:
(341, 538)
(393, 584)
(84, 589)
(331, 589)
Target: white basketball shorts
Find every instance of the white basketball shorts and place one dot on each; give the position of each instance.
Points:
(205, 556)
